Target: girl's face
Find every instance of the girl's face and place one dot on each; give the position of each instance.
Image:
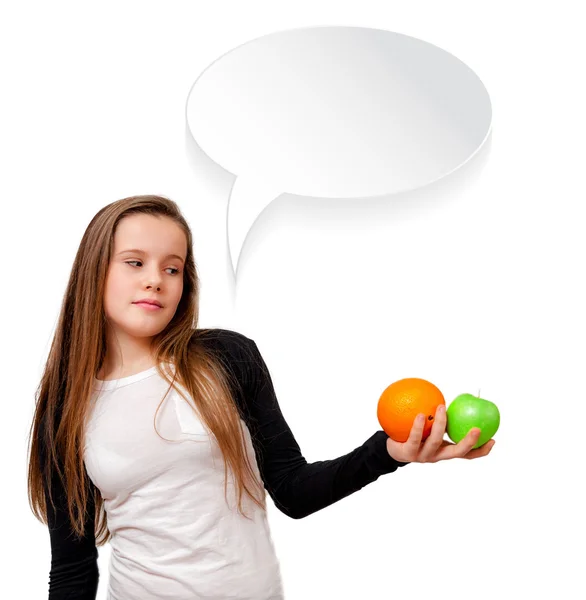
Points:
(143, 266)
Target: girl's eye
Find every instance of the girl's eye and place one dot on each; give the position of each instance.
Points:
(138, 261)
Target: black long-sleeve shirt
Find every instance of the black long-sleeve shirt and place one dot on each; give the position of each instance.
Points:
(297, 488)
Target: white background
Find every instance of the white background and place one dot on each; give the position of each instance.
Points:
(477, 289)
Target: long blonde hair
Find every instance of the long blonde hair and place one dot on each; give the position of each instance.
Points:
(78, 348)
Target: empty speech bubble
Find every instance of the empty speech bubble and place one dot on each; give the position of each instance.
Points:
(334, 112)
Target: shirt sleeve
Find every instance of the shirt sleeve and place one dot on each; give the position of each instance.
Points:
(299, 488)
(74, 571)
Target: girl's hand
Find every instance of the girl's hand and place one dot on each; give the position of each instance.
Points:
(435, 448)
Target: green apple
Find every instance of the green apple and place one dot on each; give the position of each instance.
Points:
(468, 411)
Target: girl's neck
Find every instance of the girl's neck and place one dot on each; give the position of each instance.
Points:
(109, 372)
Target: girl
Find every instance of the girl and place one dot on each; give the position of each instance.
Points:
(163, 438)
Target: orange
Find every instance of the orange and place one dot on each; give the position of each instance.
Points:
(402, 401)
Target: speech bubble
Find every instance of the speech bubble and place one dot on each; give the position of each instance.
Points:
(334, 112)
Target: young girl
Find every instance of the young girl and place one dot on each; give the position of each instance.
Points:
(162, 438)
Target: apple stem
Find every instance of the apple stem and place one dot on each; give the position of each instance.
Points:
(478, 393)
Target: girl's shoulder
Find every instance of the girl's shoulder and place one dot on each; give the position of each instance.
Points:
(232, 346)
(233, 340)
(239, 354)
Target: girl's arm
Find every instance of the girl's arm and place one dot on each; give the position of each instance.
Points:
(297, 487)
(74, 563)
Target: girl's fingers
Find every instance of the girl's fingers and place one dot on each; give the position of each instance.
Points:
(414, 440)
(465, 446)
(482, 451)
(462, 448)
(436, 449)
(434, 441)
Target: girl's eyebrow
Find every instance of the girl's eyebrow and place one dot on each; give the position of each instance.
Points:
(139, 251)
